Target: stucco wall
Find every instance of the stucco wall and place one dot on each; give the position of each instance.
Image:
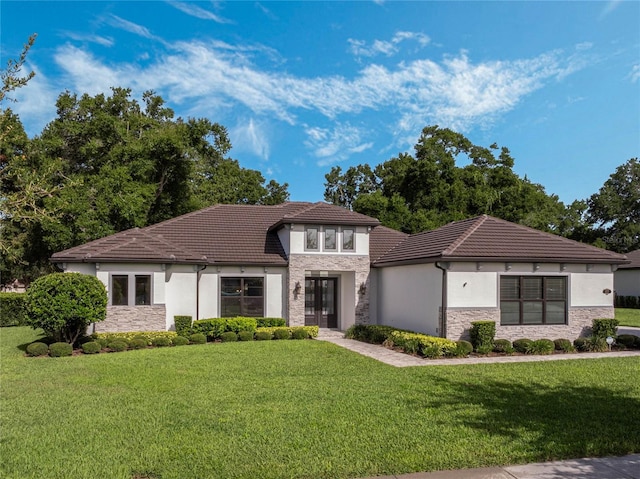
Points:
(627, 282)
(351, 271)
(409, 297)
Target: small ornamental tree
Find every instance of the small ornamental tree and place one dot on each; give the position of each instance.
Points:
(64, 304)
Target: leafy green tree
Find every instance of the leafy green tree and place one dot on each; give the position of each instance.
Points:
(614, 211)
(64, 304)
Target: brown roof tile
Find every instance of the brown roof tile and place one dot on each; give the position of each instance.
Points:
(491, 239)
(325, 213)
(634, 257)
(383, 239)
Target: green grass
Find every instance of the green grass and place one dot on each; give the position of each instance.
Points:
(628, 317)
(299, 409)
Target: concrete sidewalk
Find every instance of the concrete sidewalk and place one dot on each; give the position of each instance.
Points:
(625, 467)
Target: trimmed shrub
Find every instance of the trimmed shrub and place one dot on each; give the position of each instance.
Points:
(597, 344)
(229, 337)
(37, 349)
(484, 349)
(245, 336)
(627, 340)
(312, 331)
(270, 322)
(139, 343)
(602, 328)
(118, 345)
(482, 334)
(581, 344)
(371, 333)
(631, 302)
(541, 346)
(183, 325)
(104, 342)
(64, 304)
(148, 336)
(281, 334)
(241, 324)
(91, 347)
(214, 327)
(463, 349)
(263, 335)
(60, 349)
(180, 341)
(198, 338)
(502, 346)
(422, 344)
(299, 334)
(13, 310)
(161, 342)
(563, 345)
(522, 345)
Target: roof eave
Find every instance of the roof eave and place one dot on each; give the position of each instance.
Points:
(485, 259)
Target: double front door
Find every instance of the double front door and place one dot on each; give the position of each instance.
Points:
(320, 299)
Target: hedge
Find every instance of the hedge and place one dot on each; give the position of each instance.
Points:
(270, 322)
(13, 311)
(183, 325)
(422, 344)
(482, 334)
(149, 336)
(214, 327)
(630, 302)
(604, 327)
(312, 331)
(371, 333)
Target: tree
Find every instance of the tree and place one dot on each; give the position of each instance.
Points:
(614, 211)
(64, 304)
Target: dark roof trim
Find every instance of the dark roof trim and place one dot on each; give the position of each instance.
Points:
(480, 259)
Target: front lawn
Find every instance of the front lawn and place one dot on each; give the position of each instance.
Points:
(299, 409)
(628, 317)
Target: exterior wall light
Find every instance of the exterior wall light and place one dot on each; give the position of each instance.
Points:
(363, 289)
(297, 289)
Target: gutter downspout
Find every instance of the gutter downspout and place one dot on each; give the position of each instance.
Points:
(443, 320)
(199, 270)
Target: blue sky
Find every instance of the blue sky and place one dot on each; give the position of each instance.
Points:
(304, 86)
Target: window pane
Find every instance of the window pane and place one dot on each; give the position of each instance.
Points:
(309, 296)
(556, 312)
(230, 306)
(330, 238)
(253, 286)
(509, 312)
(328, 293)
(531, 287)
(347, 239)
(253, 307)
(120, 290)
(509, 287)
(143, 289)
(231, 287)
(555, 288)
(532, 312)
(312, 238)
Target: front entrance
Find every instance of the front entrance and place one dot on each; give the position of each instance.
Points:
(320, 300)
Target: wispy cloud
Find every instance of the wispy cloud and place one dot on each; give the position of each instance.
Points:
(131, 27)
(386, 47)
(250, 136)
(634, 74)
(198, 12)
(335, 144)
(609, 7)
(104, 41)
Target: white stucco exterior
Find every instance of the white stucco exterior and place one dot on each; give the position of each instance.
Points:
(627, 282)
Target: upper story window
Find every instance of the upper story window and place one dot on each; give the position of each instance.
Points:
(130, 289)
(348, 239)
(311, 239)
(330, 239)
(533, 300)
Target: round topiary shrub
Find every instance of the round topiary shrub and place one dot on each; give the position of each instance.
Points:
(563, 345)
(245, 336)
(522, 345)
(198, 338)
(180, 341)
(91, 347)
(137, 343)
(37, 349)
(141, 337)
(484, 349)
(581, 344)
(57, 350)
(64, 304)
(161, 342)
(228, 337)
(281, 334)
(299, 334)
(627, 340)
(118, 345)
(104, 342)
(463, 348)
(502, 346)
(263, 336)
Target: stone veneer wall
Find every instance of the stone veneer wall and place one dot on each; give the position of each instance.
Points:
(122, 319)
(298, 264)
(580, 320)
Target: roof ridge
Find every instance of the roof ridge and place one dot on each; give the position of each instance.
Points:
(476, 223)
(186, 215)
(304, 209)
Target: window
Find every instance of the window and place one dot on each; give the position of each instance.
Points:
(330, 243)
(130, 289)
(348, 239)
(311, 239)
(242, 297)
(533, 300)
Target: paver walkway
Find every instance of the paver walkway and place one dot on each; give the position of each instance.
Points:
(402, 360)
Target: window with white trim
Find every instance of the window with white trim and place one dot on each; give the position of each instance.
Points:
(130, 289)
(241, 296)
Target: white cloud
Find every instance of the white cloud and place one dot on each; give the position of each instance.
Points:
(634, 74)
(36, 102)
(250, 136)
(336, 144)
(584, 46)
(386, 47)
(609, 7)
(131, 27)
(198, 12)
(104, 41)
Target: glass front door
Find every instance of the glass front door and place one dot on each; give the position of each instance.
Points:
(320, 299)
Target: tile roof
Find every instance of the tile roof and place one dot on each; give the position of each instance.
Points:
(634, 256)
(486, 238)
(223, 234)
(382, 240)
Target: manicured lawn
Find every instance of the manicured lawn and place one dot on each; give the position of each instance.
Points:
(299, 409)
(628, 317)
